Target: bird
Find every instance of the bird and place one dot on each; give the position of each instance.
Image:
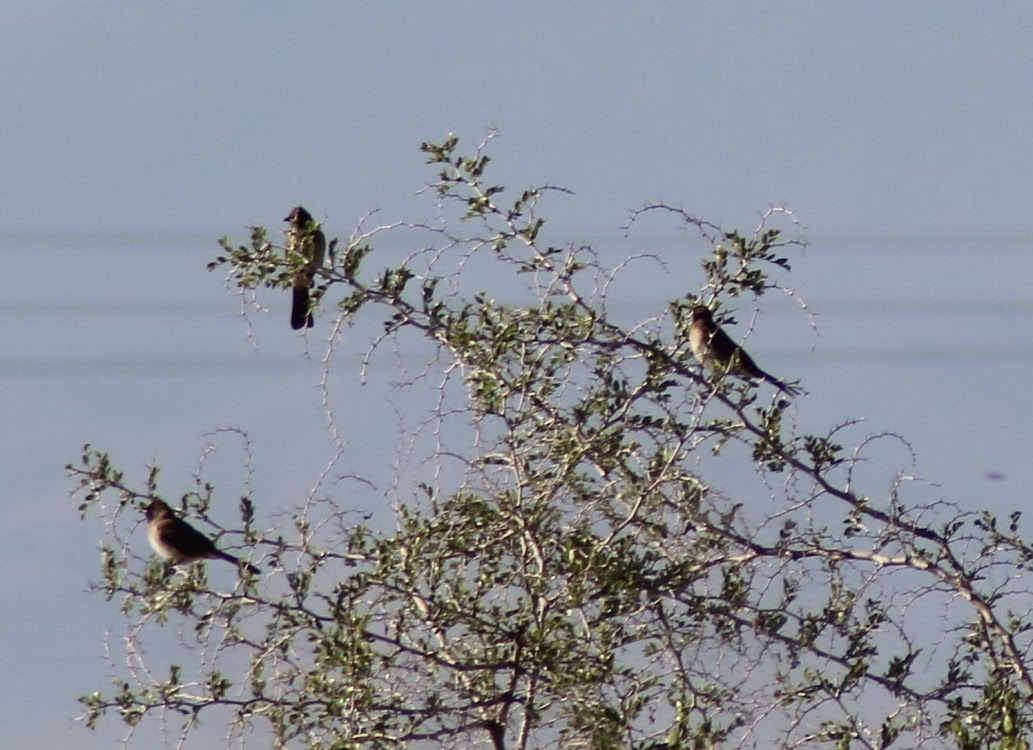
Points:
(716, 351)
(178, 542)
(305, 238)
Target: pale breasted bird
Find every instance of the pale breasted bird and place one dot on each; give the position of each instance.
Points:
(178, 542)
(305, 238)
(716, 351)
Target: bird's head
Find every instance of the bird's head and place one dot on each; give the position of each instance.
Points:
(702, 313)
(157, 509)
(299, 216)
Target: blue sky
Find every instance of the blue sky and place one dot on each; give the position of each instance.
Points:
(134, 135)
(191, 115)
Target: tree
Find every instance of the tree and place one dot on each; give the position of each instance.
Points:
(568, 571)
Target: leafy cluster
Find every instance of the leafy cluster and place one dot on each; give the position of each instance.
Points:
(616, 553)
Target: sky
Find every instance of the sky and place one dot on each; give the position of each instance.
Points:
(135, 135)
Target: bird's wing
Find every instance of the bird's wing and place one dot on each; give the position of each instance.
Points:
(181, 536)
(318, 250)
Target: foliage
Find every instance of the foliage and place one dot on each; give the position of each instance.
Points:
(612, 552)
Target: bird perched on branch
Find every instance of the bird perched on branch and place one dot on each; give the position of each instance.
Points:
(179, 542)
(305, 238)
(716, 351)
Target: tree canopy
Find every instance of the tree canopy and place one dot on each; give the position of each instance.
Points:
(603, 546)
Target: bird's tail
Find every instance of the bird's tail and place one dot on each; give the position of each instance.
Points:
(787, 388)
(300, 314)
(237, 561)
